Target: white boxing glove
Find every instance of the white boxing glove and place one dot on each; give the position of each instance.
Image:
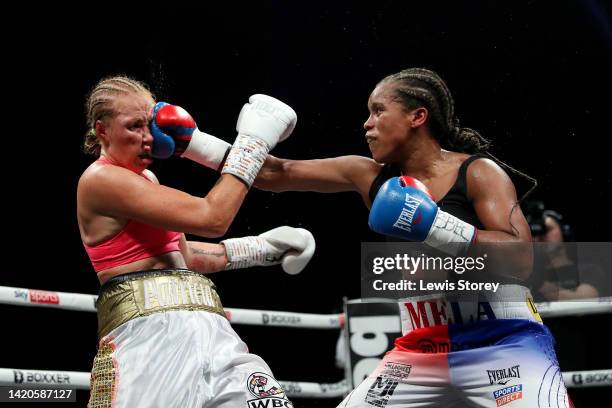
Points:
(266, 118)
(291, 247)
(262, 123)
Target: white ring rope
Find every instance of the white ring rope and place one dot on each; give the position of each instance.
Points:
(86, 303)
(80, 381)
(575, 307)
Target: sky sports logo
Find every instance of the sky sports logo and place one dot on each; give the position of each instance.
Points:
(42, 296)
(509, 394)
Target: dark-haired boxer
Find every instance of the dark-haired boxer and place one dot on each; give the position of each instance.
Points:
(506, 354)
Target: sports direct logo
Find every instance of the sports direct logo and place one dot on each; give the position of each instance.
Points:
(509, 394)
(42, 296)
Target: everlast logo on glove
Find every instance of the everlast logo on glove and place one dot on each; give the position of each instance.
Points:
(405, 219)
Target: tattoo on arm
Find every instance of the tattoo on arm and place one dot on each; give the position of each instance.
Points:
(203, 252)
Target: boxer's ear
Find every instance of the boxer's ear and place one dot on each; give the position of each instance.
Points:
(418, 116)
(101, 130)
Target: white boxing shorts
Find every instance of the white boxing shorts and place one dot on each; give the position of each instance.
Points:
(166, 343)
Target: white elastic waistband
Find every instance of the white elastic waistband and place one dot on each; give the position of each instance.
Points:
(508, 302)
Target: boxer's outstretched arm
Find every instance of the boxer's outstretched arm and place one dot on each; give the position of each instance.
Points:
(332, 175)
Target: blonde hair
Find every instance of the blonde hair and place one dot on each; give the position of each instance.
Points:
(99, 105)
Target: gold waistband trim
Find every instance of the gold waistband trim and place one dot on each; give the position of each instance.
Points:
(143, 293)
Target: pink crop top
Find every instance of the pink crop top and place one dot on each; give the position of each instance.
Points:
(134, 242)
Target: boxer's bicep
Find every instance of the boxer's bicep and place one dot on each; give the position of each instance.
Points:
(494, 198)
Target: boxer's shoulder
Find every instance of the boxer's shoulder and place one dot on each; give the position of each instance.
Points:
(362, 169)
(485, 173)
(99, 177)
(100, 171)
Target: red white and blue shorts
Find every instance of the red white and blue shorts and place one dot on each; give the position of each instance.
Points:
(502, 356)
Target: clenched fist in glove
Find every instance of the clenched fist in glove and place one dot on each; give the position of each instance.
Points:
(404, 208)
(262, 123)
(288, 246)
(175, 133)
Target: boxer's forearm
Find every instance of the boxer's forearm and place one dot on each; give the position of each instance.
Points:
(331, 175)
(508, 253)
(206, 257)
(485, 237)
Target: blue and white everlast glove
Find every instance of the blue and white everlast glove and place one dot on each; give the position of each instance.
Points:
(404, 208)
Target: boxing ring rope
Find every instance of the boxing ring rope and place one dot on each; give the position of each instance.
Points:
(86, 303)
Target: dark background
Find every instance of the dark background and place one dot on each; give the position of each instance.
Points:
(532, 76)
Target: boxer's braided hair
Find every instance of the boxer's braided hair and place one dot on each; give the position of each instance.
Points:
(418, 87)
(100, 105)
